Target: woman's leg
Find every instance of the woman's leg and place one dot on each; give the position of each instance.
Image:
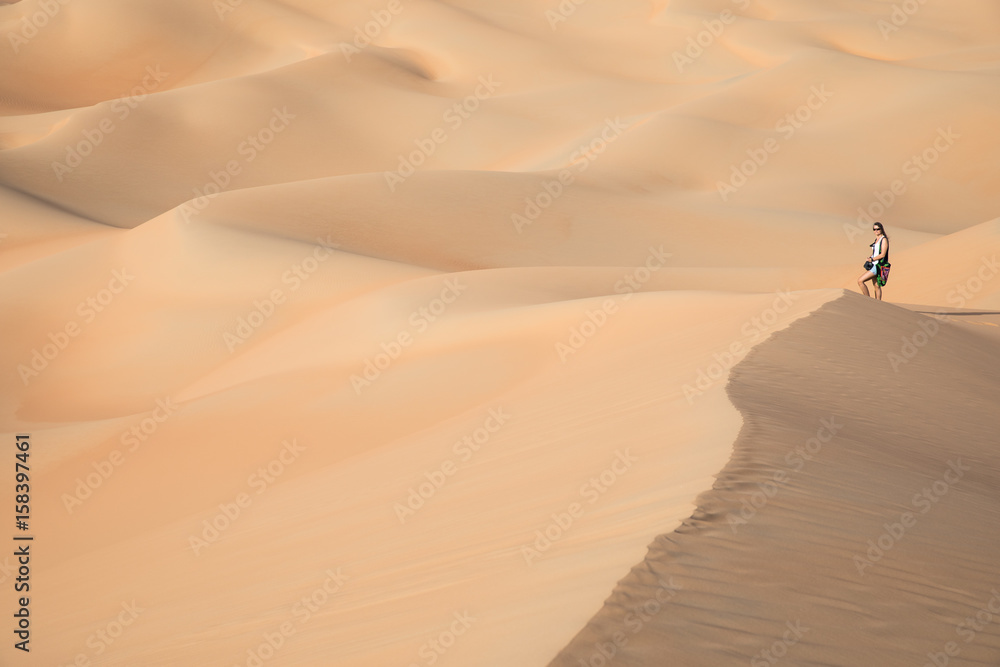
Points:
(878, 290)
(868, 275)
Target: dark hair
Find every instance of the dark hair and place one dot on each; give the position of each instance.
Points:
(882, 229)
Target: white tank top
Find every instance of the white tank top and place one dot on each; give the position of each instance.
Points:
(877, 248)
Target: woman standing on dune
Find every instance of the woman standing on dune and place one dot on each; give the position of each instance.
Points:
(879, 257)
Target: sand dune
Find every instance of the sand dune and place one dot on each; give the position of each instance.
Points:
(832, 535)
(395, 332)
(495, 349)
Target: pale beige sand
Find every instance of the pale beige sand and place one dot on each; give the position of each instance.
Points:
(124, 278)
(494, 349)
(853, 525)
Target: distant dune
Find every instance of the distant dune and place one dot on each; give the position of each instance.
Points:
(452, 332)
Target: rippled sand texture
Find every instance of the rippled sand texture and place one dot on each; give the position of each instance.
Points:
(853, 524)
(395, 332)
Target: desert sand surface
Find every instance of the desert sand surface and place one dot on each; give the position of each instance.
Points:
(423, 332)
(843, 531)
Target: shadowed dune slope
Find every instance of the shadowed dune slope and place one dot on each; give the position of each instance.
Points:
(873, 549)
(232, 233)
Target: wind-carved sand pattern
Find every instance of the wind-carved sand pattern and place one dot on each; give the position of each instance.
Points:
(850, 527)
(393, 333)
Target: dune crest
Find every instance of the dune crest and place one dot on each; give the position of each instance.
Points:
(850, 525)
(395, 331)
